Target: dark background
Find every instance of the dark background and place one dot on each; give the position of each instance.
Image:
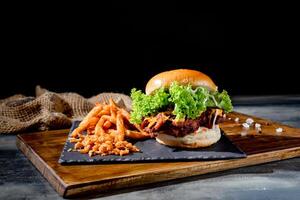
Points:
(247, 51)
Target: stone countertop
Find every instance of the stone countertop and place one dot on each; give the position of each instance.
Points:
(277, 180)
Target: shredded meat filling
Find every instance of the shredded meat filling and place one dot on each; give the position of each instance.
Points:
(166, 122)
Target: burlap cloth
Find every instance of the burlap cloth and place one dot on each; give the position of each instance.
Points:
(49, 110)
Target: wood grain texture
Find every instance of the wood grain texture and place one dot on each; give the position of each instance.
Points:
(43, 150)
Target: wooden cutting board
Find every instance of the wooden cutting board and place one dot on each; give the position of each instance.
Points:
(43, 150)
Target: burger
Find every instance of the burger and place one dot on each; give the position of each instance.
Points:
(181, 108)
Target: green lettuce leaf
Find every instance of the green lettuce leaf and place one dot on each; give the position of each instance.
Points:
(185, 101)
(223, 100)
(144, 105)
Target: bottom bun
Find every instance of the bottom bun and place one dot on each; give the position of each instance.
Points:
(193, 140)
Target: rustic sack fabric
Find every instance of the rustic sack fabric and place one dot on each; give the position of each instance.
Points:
(49, 110)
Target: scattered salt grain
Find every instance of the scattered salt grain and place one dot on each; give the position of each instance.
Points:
(258, 130)
(257, 125)
(246, 125)
(229, 118)
(237, 119)
(279, 130)
(249, 121)
(243, 133)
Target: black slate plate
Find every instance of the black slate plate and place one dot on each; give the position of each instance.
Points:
(153, 151)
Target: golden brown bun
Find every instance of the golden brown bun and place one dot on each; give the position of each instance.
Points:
(181, 76)
(204, 139)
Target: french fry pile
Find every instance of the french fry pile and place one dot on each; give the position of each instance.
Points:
(104, 130)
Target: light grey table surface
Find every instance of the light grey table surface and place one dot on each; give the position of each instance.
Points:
(277, 180)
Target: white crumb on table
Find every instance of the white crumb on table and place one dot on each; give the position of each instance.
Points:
(243, 133)
(258, 130)
(279, 130)
(245, 125)
(257, 125)
(249, 121)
